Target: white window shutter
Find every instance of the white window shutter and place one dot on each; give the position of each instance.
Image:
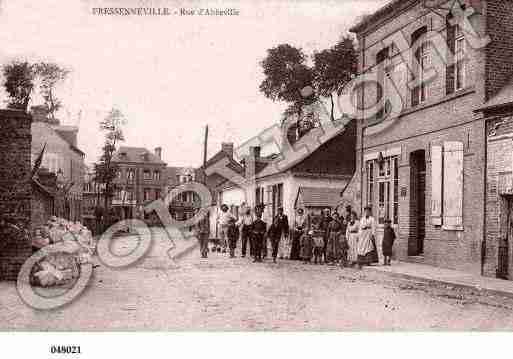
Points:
(453, 186)
(436, 185)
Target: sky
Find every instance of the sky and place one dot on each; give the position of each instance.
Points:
(170, 75)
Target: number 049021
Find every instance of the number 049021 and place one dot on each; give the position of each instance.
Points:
(65, 349)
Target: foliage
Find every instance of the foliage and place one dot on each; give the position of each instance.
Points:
(287, 72)
(50, 74)
(21, 77)
(334, 68)
(105, 170)
(19, 83)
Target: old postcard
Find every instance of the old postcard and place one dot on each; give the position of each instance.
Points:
(295, 166)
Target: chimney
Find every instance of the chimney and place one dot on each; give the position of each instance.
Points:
(250, 174)
(227, 147)
(39, 113)
(158, 152)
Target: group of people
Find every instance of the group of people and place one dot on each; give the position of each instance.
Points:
(345, 240)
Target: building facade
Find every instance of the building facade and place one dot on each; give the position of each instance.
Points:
(63, 158)
(141, 179)
(185, 204)
(422, 165)
(498, 246)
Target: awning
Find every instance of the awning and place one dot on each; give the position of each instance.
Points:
(318, 197)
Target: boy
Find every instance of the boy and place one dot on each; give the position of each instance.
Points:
(388, 242)
(259, 230)
(318, 243)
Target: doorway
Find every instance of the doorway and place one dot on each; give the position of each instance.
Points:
(417, 203)
(505, 235)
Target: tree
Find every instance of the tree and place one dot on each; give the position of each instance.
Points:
(334, 68)
(19, 83)
(50, 75)
(106, 170)
(286, 73)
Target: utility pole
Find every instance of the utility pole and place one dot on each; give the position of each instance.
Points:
(205, 144)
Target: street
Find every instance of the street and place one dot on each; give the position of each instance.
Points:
(220, 293)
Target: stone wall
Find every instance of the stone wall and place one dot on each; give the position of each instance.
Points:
(15, 191)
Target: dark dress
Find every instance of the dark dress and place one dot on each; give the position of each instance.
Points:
(325, 223)
(333, 245)
(306, 247)
(388, 241)
(300, 228)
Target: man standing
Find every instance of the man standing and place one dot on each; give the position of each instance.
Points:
(224, 220)
(324, 227)
(245, 224)
(203, 231)
(258, 230)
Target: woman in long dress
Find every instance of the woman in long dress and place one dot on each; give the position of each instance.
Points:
(352, 234)
(299, 229)
(333, 245)
(366, 241)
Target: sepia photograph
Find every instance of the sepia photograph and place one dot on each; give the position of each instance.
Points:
(299, 166)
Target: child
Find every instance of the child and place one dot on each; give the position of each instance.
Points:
(306, 247)
(388, 242)
(318, 242)
(344, 248)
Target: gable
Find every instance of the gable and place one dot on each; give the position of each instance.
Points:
(335, 157)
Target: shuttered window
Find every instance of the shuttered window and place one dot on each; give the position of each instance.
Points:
(420, 46)
(453, 186)
(436, 185)
(451, 68)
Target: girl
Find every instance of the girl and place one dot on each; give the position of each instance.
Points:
(300, 228)
(307, 246)
(388, 242)
(334, 234)
(366, 242)
(352, 238)
(318, 242)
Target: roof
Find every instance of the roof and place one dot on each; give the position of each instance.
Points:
(234, 165)
(385, 10)
(329, 145)
(503, 98)
(134, 155)
(319, 197)
(395, 6)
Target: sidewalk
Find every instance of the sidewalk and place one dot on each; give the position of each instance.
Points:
(450, 277)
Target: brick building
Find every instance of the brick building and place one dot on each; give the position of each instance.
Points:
(185, 205)
(141, 179)
(423, 164)
(497, 254)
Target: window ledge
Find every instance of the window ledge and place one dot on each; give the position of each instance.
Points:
(425, 105)
(452, 228)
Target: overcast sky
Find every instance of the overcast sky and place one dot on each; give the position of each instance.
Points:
(171, 75)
